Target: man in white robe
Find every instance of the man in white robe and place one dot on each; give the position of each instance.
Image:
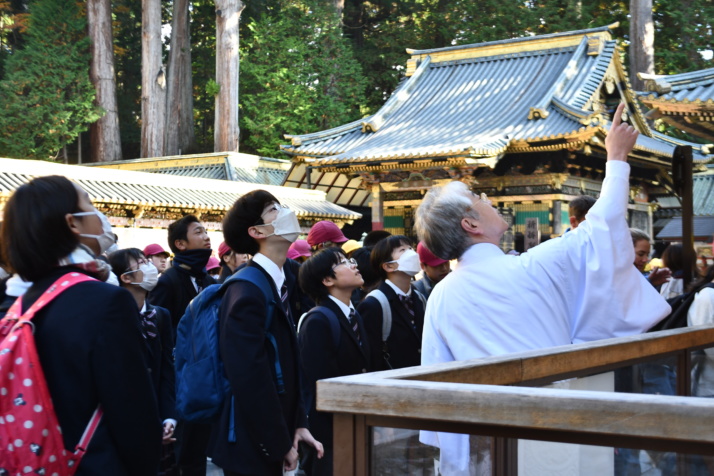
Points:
(577, 288)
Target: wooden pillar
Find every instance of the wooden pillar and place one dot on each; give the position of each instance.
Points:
(350, 441)
(377, 207)
(557, 223)
(683, 182)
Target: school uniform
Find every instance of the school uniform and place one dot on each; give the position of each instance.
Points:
(322, 358)
(264, 419)
(404, 341)
(159, 348)
(92, 353)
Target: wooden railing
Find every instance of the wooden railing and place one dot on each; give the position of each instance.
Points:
(498, 397)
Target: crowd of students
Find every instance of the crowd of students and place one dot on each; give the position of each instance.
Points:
(337, 309)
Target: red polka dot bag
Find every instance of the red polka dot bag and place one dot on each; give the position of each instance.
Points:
(30, 436)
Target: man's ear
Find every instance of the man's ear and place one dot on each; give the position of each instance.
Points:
(573, 222)
(181, 245)
(471, 226)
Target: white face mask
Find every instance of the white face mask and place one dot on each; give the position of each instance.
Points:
(106, 239)
(285, 225)
(151, 276)
(408, 263)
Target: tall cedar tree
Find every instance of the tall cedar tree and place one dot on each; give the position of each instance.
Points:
(305, 82)
(46, 96)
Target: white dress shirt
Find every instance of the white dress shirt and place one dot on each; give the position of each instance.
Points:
(580, 287)
(278, 274)
(701, 313)
(343, 307)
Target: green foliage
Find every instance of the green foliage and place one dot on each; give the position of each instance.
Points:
(203, 59)
(213, 88)
(298, 75)
(46, 96)
(127, 61)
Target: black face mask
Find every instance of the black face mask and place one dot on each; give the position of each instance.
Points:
(193, 261)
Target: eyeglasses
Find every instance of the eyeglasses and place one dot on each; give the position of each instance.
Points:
(138, 263)
(273, 208)
(347, 262)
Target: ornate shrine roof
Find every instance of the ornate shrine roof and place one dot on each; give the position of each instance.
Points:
(124, 187)
(532, 94)
(684, 100)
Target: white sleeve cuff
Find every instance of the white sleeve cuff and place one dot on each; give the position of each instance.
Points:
(170, 420)
(617, 169)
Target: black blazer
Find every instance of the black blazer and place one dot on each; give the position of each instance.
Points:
(161, 363)
(404, 342)
(322, 359)
(265, 421)
(174, 291)
(92, 352)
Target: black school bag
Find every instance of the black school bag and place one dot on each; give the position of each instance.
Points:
(680, 307)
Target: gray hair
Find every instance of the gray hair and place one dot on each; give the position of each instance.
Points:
(438, 220)
(639, 235)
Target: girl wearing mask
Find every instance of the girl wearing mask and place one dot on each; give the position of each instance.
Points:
(92, 356)
(138, 275)
(397, 263)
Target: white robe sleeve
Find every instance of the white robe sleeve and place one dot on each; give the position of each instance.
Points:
(610, 297)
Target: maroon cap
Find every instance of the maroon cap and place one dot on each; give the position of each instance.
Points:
(154, 249)
(223, 249)
(213, 263)
(323, 231)
(427, 257)
(299, 248)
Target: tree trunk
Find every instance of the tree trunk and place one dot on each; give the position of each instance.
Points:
(641, 41)
(226, 131)
(179, 106)
(153, 81)
(104, 137)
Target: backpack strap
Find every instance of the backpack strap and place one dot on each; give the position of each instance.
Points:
(14, 314)
(331, 318)
(386, 321)
(254, 275)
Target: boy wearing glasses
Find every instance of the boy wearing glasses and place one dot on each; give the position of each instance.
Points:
(329, 278)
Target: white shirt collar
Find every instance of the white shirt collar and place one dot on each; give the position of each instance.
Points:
(343, 307)
(143, 308)
(397, 290)
(272, 269)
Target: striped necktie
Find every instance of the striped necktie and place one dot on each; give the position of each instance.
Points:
(355, 325)
(409, 305)
(284, 299)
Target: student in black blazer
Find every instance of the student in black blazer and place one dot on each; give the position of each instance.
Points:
(138, 275)
(329, 278)
(396, 262)
(90, 351)
(191, 246)
(269, 420)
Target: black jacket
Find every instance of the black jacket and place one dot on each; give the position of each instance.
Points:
(322, 359)
(265, 421)
(404, 342)
(90, 346)
(174, 291)
(161, 363)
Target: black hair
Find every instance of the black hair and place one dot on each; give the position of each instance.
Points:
(362, 256)
(120, 260)
(374, 237)
(382, 252)
(178, 230)
(579, 206)
(244, 213)
(316, 268)
(35, 234)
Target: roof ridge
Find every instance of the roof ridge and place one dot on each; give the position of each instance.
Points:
(600, 29)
